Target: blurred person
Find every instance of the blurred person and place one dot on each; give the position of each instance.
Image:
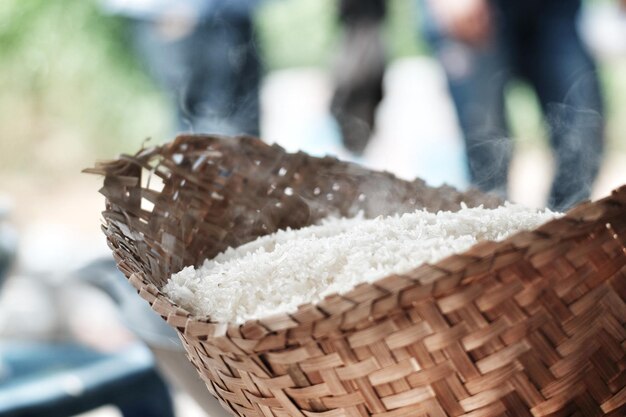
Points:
(204, 55)
(482, 45)
(358, 71)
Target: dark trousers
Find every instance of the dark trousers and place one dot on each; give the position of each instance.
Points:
(358, 71)
(212, 74)
(538, 42)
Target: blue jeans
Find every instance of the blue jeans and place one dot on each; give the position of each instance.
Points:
(212, 74)
(538, 42)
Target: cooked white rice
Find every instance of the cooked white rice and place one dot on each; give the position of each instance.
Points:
(278, 272)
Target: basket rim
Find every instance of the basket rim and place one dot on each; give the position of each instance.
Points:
(428, 280)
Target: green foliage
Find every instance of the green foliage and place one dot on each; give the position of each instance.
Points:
(297, 32)
(402, 25)
(70, 89)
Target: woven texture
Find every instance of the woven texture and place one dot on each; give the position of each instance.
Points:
(531, 326)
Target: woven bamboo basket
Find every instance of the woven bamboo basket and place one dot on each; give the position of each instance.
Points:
(531, 326)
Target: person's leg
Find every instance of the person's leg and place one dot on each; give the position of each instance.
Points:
(211, 73)
(476, 80)
(223, 92)
(247, 92)
(477, 77)
(358, 71)
(564, 75)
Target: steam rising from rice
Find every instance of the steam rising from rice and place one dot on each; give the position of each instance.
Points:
(278, 272)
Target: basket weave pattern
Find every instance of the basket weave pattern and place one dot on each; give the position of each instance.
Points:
(531, 326)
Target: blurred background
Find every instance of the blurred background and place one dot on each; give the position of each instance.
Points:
(74, 89)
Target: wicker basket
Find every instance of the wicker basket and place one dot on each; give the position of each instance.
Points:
(531, 326)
